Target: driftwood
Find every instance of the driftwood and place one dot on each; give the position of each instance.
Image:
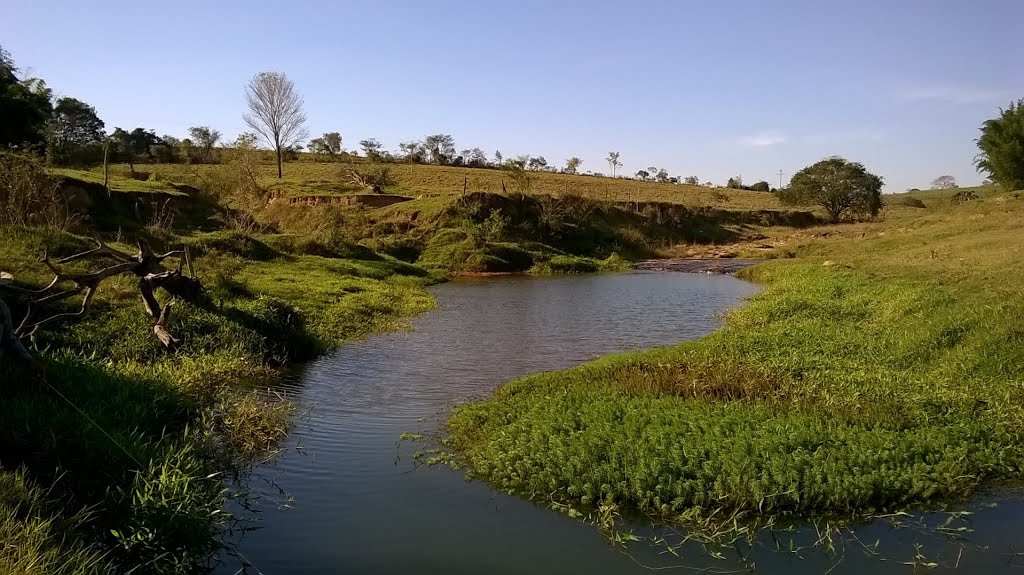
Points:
(145, 265)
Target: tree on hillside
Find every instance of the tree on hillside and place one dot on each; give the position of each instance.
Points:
(944, 183)
(371, 147)
(276, 112)
(613, 162)
(475, 158)
(538, 163)
(74, 134)
(839, 186)
(413, 152)
(318, 146)
(328, 144)
(25, 106)
(1002, 147)
(761, 186)
(520, 176)
(333, 142)
(440, 148)
(167, 150)
(735, 183)
(498, 158)
(661, 175)
(643, 174)
(572, 165)
(204, 138)
(692, 180)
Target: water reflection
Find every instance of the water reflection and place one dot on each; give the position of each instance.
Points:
(360, 507)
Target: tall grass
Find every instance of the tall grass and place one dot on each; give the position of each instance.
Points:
(143, 439)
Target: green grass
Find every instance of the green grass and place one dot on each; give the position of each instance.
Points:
(118, 181)
(324, 178)
(135, 479)
(881, 369)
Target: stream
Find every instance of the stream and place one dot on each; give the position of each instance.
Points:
(345, 496)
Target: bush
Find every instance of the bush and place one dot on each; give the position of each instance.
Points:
(1002, 147)
(28, 196)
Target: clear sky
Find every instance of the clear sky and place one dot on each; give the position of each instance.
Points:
(702, 87)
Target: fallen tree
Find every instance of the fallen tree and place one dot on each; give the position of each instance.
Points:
(145, 265)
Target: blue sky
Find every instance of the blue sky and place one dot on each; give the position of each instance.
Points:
(705, 88)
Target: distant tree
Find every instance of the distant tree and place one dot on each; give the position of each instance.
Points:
(371, 147)
(75, 133)
(275, 112)
(613, 162)
(246, 159)
(476, 158)
(413, 152)
(1002, 147)
(643, 174)
(761, 186)
(520, 176)
(167, 150)
(709, 184)
(692, 180)
(25, 106)
(204, 138)
(838, 185)
(661, 176)
(328, 144)
(128, 147)
(538, 163)
(944, 183)
(735, 183)
(333, 142)
(498, 159)
(572, 165)
(440, 148)
(318, 146)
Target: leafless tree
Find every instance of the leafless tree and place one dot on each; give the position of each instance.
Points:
(275, 112)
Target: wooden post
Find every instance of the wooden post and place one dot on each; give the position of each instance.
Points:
(106, 165)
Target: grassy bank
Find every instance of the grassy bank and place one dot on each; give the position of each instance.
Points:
(449, 232)
(880, 369)
(118, 462)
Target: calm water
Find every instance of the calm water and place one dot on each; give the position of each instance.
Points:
(346, 498)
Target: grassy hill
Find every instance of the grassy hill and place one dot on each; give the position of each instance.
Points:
(326, 178)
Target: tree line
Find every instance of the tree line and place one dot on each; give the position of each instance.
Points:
(70, 133)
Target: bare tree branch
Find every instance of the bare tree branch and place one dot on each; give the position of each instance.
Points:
(145, 264)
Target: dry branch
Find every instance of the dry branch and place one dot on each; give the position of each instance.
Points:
(146, 265)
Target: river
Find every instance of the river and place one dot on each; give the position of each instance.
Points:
(346, 497)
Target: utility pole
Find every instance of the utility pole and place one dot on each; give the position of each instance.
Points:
(780, 179)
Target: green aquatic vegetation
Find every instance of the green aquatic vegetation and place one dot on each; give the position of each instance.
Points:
(867, 377)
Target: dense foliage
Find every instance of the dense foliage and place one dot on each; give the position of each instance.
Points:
(841, 187)
(25, 106)
(1002, 147)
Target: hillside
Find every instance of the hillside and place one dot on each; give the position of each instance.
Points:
(304, 178)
